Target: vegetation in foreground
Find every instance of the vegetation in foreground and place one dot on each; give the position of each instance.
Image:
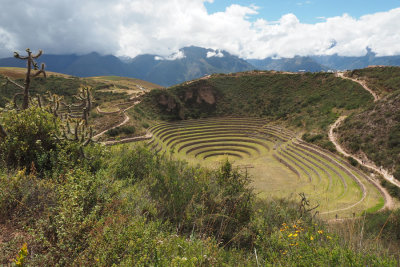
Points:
(128, 206)
(109, 93)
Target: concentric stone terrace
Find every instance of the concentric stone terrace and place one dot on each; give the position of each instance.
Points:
(278, 161)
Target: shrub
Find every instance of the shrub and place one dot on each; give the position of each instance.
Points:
(396, 173)
(118, 130)
(393, 190)
(133, 165)
(31, 138)
(352, 161)
(62, 234)
(312, 138)
(22, 196)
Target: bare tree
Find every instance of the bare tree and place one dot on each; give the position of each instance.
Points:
(31, 63)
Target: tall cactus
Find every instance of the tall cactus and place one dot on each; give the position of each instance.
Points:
(54, 103)
(31, 63)
(85, 96)
(77, 131)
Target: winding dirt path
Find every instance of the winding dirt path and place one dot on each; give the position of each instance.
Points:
(125, 121)
(147, 136)
(332, 137)
(362, 83)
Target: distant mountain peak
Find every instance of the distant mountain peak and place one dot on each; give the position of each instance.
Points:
(193, 62)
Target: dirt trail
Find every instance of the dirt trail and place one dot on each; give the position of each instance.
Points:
(147, 136)
(362, 83)
(120, 124)
(370, 165)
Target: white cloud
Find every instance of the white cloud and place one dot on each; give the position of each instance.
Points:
(132, 27)
(215, 53)
(173, 56)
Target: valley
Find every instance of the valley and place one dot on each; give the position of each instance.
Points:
(199, 133)
(276, 136)
(278, 162)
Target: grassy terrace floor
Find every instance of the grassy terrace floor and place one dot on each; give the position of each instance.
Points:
(280, 164)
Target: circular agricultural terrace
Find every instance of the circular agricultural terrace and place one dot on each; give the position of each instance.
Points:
(279, 163)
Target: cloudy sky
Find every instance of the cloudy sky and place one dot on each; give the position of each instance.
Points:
(249, 29)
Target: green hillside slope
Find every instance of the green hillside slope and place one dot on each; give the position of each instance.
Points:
(307, 101)
(376, 133)
(73, 202)
(382, 80)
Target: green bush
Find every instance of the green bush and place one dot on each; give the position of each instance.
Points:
(396, 173)
(133, 165)
(218, 203)
(393, 190)
(31, 138)
(62, 234)
(352, 161)
(122, 129)
(140, 208)
(23, 196)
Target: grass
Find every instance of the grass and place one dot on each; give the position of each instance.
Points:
(303, 102)
(128, 206)
(132, 84)
(375, 132)
(20, 73)
(255, 146)
(382, 80)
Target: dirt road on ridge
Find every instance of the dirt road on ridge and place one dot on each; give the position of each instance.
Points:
(362, 83)
(370, 165)
(125, 121)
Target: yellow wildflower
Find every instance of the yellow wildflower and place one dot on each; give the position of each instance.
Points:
(328, 237)
(294, 235)
(320, 231)
(290, 235)
(23, 253)
(311, 238)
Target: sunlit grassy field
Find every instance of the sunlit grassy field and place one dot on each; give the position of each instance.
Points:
(280, 164)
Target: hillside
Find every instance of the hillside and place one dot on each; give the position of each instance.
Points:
(383, 80)
(308, 101)
(112, 95)
(68, 202)
(374, 134)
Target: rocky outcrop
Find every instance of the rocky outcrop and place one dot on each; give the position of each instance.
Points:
(168, 101)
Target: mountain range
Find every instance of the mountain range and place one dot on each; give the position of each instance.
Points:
(194, 62)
